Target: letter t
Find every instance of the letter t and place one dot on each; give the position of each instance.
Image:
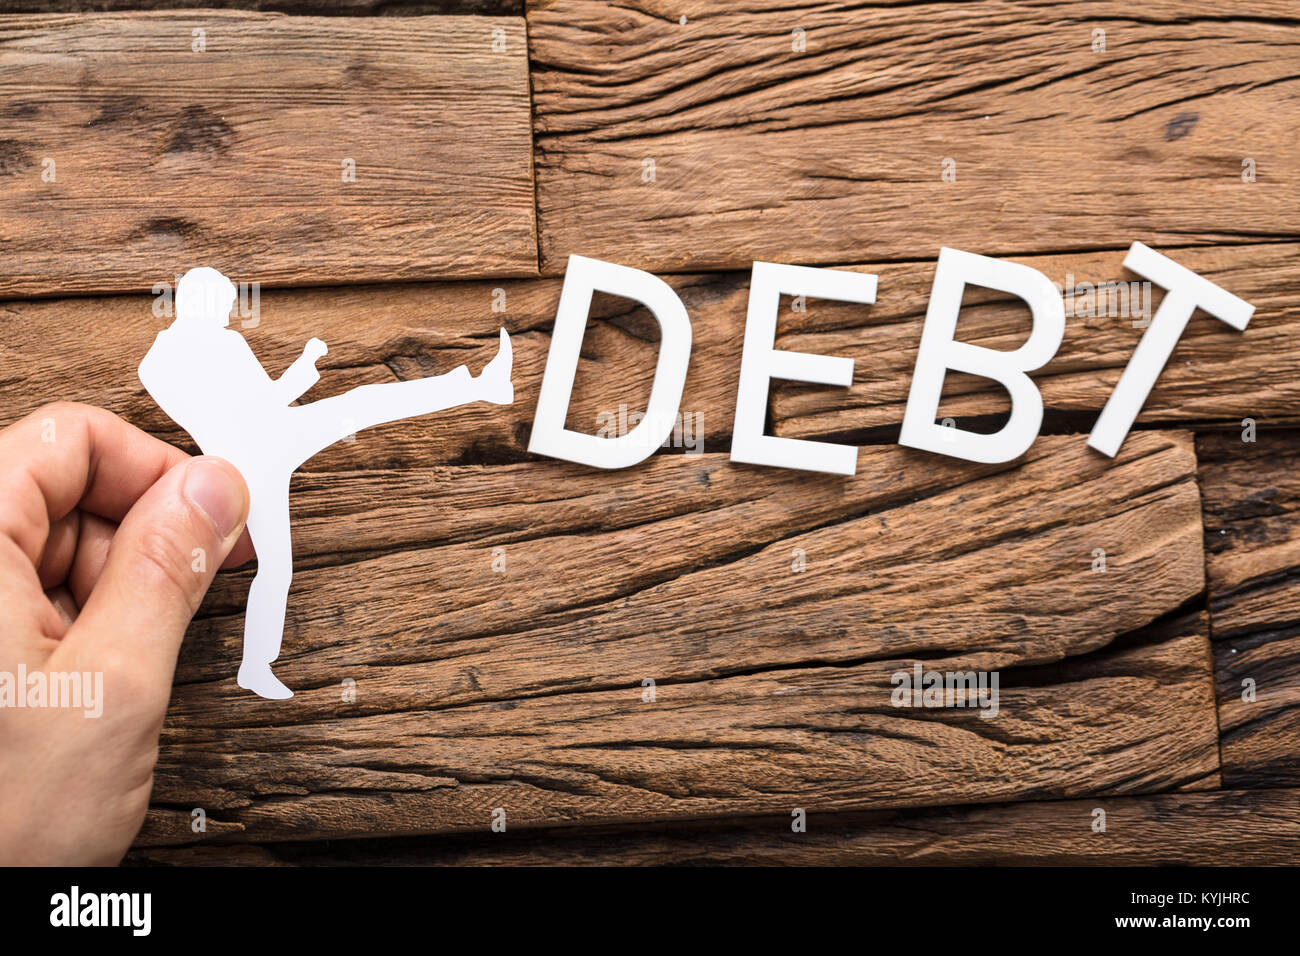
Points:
(1185, 293)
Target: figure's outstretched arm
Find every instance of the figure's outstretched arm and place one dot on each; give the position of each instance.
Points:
(302, 374)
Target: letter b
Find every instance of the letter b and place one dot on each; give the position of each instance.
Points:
(940, 352)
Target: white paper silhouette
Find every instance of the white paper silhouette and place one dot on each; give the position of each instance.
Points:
(207, 379)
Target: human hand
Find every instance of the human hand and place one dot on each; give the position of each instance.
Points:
(314, 349)
(109, 539)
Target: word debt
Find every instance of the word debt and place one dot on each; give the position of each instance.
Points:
(939, 353)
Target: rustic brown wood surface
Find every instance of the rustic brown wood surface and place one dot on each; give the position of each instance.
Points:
(835, 151)
(235, 156)
(498, 614)
(523, 689)
(1130, 720)
(1252, 495)
(386, 333)
(1215, 375)
(315, 8)
(1228, 827)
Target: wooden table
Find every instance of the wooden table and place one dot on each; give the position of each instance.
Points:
(681, 661)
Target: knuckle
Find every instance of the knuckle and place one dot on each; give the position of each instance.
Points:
(64, 410)
(74, 416)
(55, 407)
(58, 411)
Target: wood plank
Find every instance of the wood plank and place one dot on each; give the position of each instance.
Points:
(234, 157)
(1252, 512)
(524, 689)
(836, 153)
(750, 744)
(349, 8)
(1237, 828)
(1215, 375)
(391, 332)
(388, 333)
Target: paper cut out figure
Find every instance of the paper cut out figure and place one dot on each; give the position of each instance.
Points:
(207, 379)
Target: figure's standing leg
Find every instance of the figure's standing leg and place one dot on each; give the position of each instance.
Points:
(314, 427)
(268, 526)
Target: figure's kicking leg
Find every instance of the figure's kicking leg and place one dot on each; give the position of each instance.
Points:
(390, 401)
(495, 377)
(268, 526)
(322, 423)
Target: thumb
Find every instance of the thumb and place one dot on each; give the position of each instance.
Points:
(160, 563)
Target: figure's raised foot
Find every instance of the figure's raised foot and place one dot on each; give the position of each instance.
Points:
(495, 377)
(259, 679)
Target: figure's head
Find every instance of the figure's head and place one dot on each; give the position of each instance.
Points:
(205, 297)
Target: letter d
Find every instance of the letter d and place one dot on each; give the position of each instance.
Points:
(583, 277)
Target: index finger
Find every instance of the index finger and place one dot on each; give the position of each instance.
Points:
(68, 455)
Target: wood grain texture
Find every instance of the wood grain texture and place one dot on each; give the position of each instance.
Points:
(88, 349)
(1252, 539)
(1221, 828)
(165, 158)
(315, 8)
(1215, 375)
(523, 689)
(836, 153)
(392, 332)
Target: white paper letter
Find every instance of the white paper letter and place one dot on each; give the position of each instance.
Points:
(761, 362)
(583, 277)
(939, 353)
(1185, 292)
